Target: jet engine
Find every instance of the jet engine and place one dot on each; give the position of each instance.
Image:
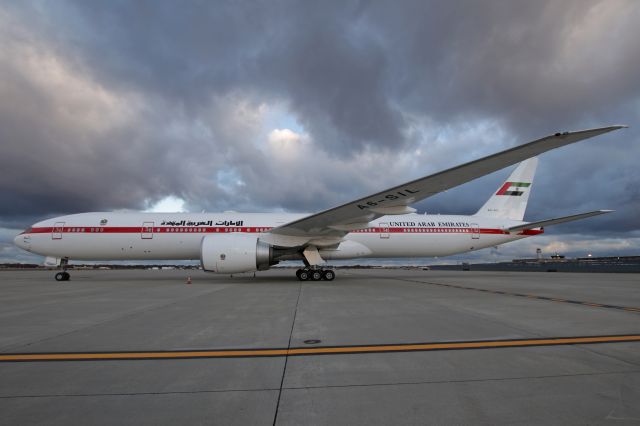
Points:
(234, 253)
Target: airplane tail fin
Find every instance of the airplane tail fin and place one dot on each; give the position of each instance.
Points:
(510, 201)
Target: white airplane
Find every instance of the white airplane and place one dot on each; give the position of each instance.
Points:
(381, 225)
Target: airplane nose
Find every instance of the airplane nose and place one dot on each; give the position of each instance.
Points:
(23, 241)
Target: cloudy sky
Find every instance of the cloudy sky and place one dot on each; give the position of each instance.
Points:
(299, 106)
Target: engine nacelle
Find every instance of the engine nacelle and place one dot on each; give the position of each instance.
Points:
(235, 253)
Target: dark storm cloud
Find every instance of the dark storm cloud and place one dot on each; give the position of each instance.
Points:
(108, 105)
(309, 53)
(530, 64)
(348, 67)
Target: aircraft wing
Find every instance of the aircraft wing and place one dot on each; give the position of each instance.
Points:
(541, 223)
(357, 214)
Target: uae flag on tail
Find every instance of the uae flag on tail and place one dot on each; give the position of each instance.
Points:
(513, 188)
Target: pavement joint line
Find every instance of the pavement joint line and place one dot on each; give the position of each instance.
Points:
(530, 296)
(322, 350)
(480, 380)
(351, 385)
(592, 350)
(286, 359)
(90, 395)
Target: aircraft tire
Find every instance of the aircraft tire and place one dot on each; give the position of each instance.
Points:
(316, 275)
(304, 275)
(60, 276)
(328, 275)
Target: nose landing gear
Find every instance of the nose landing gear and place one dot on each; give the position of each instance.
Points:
(315, 274)
(64, 275)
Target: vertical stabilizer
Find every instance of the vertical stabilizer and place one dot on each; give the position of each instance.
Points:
(510, 200)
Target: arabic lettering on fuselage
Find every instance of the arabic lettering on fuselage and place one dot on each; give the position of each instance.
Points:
(201, 223)
(229, 223)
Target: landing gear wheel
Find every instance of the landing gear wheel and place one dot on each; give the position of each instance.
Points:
(304, 275)
(316, 275)
(62, 276)
(298, 273)
(328, 275)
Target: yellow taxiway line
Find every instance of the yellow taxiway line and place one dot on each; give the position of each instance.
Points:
(306, 351)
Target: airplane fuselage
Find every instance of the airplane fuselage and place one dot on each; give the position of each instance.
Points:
(158, 236)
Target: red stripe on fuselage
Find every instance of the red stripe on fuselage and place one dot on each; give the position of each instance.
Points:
(140, 229)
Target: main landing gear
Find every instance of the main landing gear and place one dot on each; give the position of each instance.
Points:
(312, 270)
(315, 274)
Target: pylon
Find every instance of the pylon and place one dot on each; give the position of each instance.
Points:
(189, 280)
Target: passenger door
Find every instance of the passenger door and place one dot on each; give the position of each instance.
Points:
(384, 231)
(147, 231)
(56, 234)
(475, 231)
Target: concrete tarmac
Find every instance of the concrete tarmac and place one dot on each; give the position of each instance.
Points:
(113, 313)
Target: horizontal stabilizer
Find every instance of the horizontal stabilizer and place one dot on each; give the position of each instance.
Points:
(548, 222)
